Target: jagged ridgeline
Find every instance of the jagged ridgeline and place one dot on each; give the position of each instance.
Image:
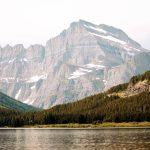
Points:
(115, 105)
(83, 60)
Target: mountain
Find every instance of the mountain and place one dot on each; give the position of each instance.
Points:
(9, 103)
(127, 102)
(115, 105)
(84, 59)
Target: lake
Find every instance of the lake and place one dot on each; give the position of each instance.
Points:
(74, 139)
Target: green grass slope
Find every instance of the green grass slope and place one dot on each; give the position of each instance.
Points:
(10, 103)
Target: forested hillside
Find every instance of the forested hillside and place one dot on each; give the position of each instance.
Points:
(10, 103)
(110, 106)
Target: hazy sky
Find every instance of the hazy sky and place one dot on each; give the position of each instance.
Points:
(36, 21)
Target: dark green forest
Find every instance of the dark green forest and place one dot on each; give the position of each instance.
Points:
(93, 109)
(145, 76)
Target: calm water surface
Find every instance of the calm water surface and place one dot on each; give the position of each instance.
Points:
(78, 139)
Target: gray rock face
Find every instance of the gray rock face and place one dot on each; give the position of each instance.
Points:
(84, 59)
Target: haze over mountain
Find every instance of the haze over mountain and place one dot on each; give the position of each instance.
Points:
(84, 59)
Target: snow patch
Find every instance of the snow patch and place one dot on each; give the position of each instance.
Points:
(32, 87)
(94, 66)
(115, 67)
(105, 82)
(17, 80)
(85, 70)
(100, 61)
(97, 78)
(7, 79)
(76, 74)
(79, 72)
(108, 37)
(17, 95)
(73, 77)
(30, 103)
(95, 28)
(26, 101)
(37, 78)
(24, 59)
(10, 61)
(129, 51)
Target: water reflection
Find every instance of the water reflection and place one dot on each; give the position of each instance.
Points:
(50, 139)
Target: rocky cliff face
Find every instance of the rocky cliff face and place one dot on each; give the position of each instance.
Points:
(134, 89)
(82, 60)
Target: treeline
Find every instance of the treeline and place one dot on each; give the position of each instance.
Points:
(94, 109)
(133, 80)
(145, 76)
(118, 88)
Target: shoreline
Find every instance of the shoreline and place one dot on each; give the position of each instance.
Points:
(65, 128)
(106, 125)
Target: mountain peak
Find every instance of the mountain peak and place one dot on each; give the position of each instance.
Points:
(84, 59)
(81, 21)
(102, 26)
(102, 30)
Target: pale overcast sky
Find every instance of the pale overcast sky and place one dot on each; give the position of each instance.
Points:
(36, 21)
